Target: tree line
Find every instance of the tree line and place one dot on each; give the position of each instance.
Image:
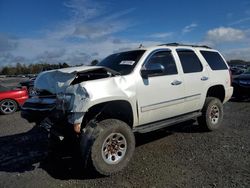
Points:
(23, 69)
(20, 69)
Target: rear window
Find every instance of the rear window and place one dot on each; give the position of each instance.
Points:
(214, 60)
(189, 61)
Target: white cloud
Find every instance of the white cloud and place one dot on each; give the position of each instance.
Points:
(89, 34)
(6, 43)
(240, 21)
(90, 20)
(89, 31)
(238, 53)
(189, 28)
(226, 39)
(83, 9)
(161, 35)
(93, 31)
(225, 34)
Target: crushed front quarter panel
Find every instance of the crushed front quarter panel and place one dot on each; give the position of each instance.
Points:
(58, 82)
(88, 93)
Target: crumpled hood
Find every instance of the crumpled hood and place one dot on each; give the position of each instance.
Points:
(59, 82)
(74, 88)
(56, 81)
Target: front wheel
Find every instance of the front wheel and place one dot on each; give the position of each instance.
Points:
(212, 114)
(112, 148)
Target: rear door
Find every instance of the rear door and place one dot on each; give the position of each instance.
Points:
(195, 77)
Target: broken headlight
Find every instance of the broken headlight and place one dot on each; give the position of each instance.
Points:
(63, 101)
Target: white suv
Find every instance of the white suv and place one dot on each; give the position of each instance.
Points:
(141, 90)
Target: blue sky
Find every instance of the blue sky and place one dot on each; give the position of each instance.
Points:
(78, 31)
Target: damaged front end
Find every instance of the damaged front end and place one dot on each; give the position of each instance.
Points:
(59, 106)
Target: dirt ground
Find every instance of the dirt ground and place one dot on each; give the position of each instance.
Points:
(179, 156)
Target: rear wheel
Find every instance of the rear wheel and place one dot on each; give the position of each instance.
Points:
(8, 106)
(212, 114)
(112, 147)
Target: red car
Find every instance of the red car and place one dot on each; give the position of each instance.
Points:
(11, 99)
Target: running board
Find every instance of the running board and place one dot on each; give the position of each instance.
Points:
(165, 123)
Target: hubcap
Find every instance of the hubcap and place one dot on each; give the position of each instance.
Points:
(214, 114)
(114, 148)
(8, 107)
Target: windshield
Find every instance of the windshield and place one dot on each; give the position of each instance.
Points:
(123, 62)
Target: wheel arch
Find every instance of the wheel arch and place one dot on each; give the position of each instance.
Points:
(116, 109)
(217, 91)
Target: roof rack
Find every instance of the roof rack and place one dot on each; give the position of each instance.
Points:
(178, 44)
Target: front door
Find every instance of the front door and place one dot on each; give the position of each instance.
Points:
(161, 95)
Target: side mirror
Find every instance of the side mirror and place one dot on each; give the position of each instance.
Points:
(152, 69)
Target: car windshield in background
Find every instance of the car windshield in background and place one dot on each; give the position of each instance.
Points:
(247, 71)
(123, 62)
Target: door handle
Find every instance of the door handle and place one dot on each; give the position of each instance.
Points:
(204, 78)
(176, 82)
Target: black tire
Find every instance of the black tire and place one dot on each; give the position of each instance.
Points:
(8, 106)
(100, 146)
(212, 114)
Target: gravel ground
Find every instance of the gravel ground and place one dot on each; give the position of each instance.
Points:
(180, 156)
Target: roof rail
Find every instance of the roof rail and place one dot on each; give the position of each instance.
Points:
(179, 44)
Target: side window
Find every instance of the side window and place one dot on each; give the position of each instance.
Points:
(214, 60)
(166, 59)
(189, 61)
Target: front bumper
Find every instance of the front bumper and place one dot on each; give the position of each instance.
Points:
(35, 109)
(44, 113)
(53, 121)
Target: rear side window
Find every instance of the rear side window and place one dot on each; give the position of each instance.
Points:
(189, 61)
(214, 60)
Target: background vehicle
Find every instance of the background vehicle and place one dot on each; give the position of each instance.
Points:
(140, 91)
(236, 71)
(30, 86)
(241, 84)
(11, 99)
